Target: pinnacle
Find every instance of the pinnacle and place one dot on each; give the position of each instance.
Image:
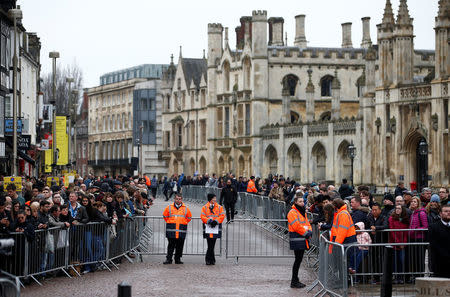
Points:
(403, 17)
(388, 16)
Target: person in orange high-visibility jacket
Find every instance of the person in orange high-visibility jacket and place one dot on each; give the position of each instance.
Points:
(299, 232)
(213, 216)
(148, 182)
(177, 217)
(343, 230)
(251, 188)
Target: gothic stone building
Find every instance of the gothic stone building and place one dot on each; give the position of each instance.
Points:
(294, 110)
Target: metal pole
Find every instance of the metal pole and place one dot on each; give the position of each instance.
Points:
(352, 174)
(124, 290)
(54, 119)
(14, 160)
(141, 129)
(69, 80)
(75, 131)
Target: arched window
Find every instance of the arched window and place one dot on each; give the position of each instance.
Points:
(360, 83)
(247, 71)
(226, 76)
(325, 86)
(325, 116)
(130, 125)
(294, 117)
(290, 84)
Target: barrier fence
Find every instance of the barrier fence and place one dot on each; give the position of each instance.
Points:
(364, 265)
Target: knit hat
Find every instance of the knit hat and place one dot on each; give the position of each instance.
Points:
(211, 196)
(389, 197)
(435, 198)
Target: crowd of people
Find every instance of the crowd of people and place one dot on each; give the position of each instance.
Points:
(361, 218)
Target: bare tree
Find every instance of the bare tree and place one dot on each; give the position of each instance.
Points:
(62, 87)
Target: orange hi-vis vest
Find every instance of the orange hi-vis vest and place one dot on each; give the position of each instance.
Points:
(343, 230)
(251, 187)
(176, 220)
(148, 182)
(298, 226)
(216, 214)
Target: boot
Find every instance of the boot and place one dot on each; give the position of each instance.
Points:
(168, 261)
(297, 284)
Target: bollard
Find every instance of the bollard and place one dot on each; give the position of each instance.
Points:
(124, 290)
(386, 281)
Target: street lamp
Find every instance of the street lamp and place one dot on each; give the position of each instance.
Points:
(54, 55)
(15, 14)
(423, 164)
(423, 147)
(70, 80)
(351, 150)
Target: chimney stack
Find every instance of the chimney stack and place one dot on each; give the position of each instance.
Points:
(242, 31)
(347, 35)
(300, 38)
(276, 31)
(366, 41)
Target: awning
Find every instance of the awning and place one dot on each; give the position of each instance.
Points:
(20, 153)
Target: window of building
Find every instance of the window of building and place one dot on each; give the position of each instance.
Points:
(192, 130)
(446, 117)
(96, 151)
(359, 86)
(240, 118)
(203, 132)
(152, 104)
(290, 83)
(113, 123)
(123, 120)
(226, 76)
(227, 122)
(219, 122)
(130, 125)
(8, 106)
(167, 139)
(168, 102)
(247, 119)
(108, 123)
(180, 135)
(203, 98)
(104, 124)
(144, 104)
(325, 86)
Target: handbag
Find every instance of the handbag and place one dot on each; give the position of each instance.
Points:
(62, 239)
(49, 243)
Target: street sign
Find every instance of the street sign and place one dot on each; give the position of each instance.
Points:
(9, 126)
(17, 180)
(45, 144)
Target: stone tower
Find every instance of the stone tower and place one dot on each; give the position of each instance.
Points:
(403, 47)
(385, 34)
(442, 29)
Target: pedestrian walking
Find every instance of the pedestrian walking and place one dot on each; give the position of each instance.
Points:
(299, 233)
(177, 217)
(228, 198)
(212, 217)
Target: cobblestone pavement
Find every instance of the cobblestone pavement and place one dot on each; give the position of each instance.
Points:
(251, 277)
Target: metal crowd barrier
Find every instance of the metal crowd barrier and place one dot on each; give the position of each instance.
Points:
(361, 265)
(60, 249)
(156, 242)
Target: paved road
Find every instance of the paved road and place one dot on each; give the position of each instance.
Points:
(265, 276)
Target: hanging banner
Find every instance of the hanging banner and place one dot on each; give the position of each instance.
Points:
(68, 179)
(62, 140)
(48, 161)
(17, 180)
(52, 180)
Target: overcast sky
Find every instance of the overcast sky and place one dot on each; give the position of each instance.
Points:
(107, 35)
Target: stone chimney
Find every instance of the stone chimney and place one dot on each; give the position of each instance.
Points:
(366, 41)
(347, 35)
(276, 31)
(300, 38)
(245, 27)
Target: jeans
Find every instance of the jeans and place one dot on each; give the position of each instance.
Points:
(360, 255)
(399, 261)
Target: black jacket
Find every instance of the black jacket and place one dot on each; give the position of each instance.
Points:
(380, 223)
(359, 216)
(345, 191)
(228, 195)
(439, 236)
(82, 216)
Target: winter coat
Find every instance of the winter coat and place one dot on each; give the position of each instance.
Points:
(228, 195)
(380, 223)
(439, 235)
(398, 236)
(363, 237)
(345, 191)
(418, 220)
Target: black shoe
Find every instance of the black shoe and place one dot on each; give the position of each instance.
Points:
(178, 262)
(167, 262)
(208, 263)
(297, 285)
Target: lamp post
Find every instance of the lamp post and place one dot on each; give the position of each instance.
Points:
(423, 152)
(75, 106)
(351, 149)
(70, 80)
(54, 55)
(15, 14)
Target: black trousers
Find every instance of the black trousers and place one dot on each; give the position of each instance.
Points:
(177, 245)
(210, 251)
(154, 192)
(297, 262)
(229, 208)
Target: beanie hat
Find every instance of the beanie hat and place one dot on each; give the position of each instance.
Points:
(211, 196)
(435, 198)
(389, 197)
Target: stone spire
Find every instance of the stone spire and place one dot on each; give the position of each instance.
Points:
(442, 31)
(403, 17)
(444, 8)
(388, 16)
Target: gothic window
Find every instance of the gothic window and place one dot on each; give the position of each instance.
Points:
(226, 76)
(326, 116)
(290, 84)
(227, 122)
(247, 119)
(360, 85)
(180, 135)
(325, 86)
(294, 117)
(219, 122)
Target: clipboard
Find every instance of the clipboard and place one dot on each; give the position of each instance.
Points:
(212, 230)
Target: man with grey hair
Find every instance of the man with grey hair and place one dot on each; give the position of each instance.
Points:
(400, 201)
(425, 197)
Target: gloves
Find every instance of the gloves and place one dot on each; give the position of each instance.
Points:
(308, 234)
(213, 224)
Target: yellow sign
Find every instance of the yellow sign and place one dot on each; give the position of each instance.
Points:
(17, 180)
(68, 179)
(48, 161)
(62, 140)
(52, 179)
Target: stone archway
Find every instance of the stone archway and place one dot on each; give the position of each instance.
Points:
(294, 161)
(344, 164)
(202, 165)
(319, 155)
(271, 160)
(416, 165)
